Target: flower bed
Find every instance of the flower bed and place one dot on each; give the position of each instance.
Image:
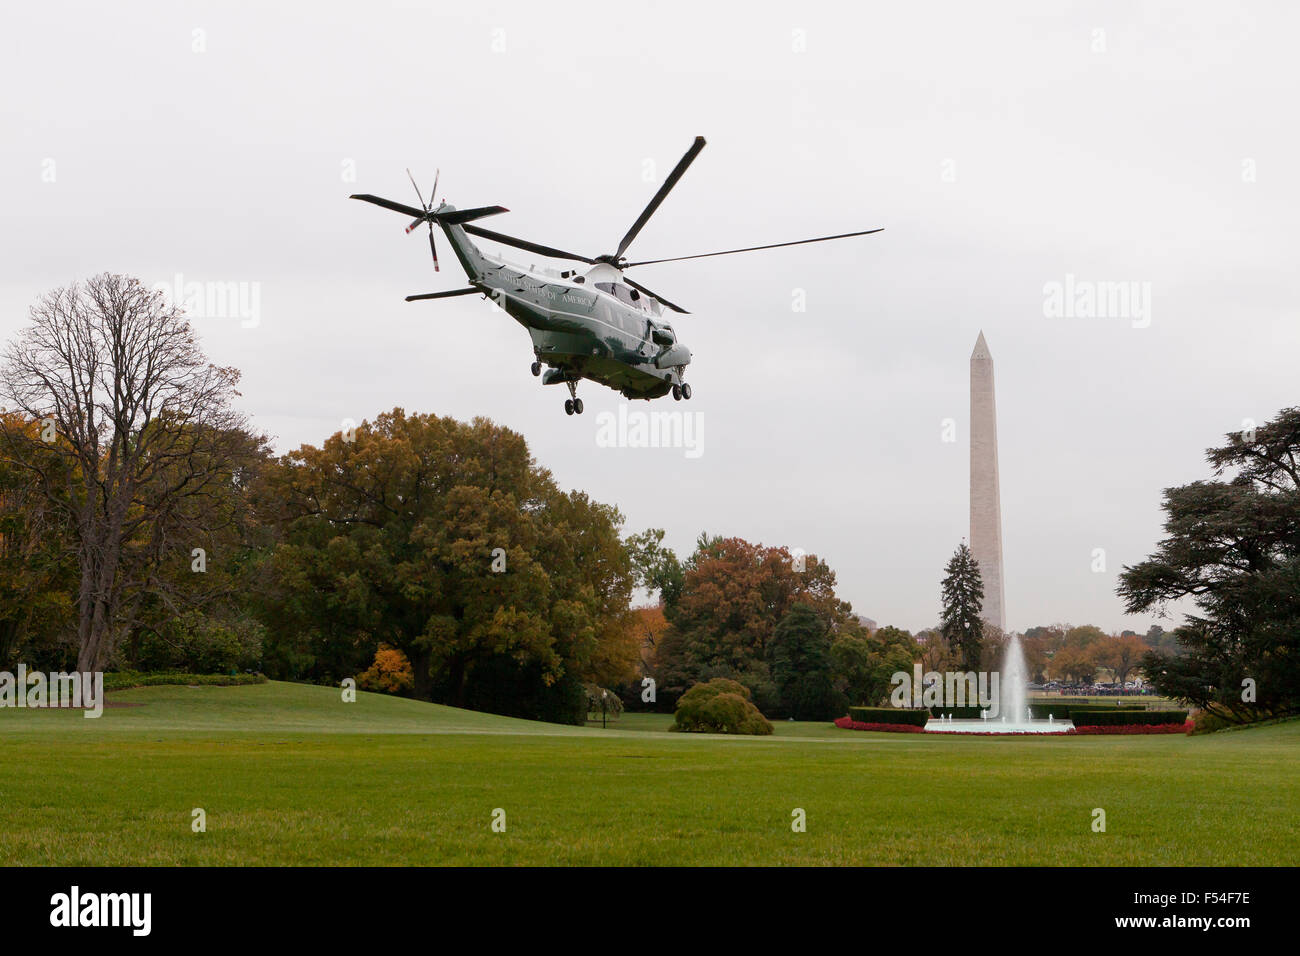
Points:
(1183, 728)
(848, 723)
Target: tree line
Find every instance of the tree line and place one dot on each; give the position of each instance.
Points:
(145, 524)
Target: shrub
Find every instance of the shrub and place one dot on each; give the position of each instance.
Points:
(914, 716)
(121, 680)
(755, 678)
(1115, 717)
(1207, 722)
(389, 674)
(719, 706)
(194, 642)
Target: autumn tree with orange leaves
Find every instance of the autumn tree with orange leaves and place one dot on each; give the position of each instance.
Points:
(733, 595)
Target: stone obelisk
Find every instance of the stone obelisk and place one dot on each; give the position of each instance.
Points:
(985, 501)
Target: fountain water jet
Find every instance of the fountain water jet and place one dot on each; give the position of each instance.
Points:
(1014, 680)
(1015, 716)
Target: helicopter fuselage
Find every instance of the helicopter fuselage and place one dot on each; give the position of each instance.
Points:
(591, 326)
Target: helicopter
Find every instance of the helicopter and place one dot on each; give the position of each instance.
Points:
(598, 324)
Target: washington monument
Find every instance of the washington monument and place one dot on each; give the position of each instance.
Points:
(985, 501)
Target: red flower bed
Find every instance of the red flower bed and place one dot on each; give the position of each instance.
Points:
(1185, 728)
(848, 723)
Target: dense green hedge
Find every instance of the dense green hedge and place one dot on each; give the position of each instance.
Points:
(916, 716)
(957, 713)
(1116, 717)
(1054, 709)
(120, 680)
(1041, 710)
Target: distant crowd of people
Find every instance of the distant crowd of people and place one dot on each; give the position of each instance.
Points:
(1131, 689)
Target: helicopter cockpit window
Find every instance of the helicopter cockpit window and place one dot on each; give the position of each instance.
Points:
(605, 287)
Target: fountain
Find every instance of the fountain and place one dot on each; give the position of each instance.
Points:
(1014, 704)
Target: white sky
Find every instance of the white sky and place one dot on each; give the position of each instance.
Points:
(999, 150)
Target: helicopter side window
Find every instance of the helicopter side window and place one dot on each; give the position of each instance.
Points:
(629, 296)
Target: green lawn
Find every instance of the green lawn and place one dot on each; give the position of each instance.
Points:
(288, 774)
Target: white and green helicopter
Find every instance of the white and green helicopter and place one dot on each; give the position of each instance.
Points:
(597, 325)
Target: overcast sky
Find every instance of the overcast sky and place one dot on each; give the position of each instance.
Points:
(1003, 147)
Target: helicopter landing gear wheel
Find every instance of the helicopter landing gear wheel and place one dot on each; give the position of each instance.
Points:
(573, 405)
(677, 393)
(536, 369)
(686, 391)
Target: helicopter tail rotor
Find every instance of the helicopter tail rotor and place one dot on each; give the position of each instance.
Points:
(433, 248)
(427, 214)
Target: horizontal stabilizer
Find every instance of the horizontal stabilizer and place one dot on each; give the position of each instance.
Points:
(443, 295)
(465, 215)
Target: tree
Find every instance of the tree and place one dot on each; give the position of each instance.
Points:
(136, 420)
(37, 573)
(656, 567)
(1127, 654)
(1036, 658)
(799, 659)
(733, 595)
(963, 602)
(1105, 653)
(864, 664)
(1074, 664)
(389, 674)
(1232, 546)
(1083, 637)
(650, 627)
(448, 542)
(936, 653)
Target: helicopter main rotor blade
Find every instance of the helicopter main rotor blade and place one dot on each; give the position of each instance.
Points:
(654, 295)
(389, 204)
(775, 245)
(443, 295)
(664, 190)
(536, 247)
(418, 195)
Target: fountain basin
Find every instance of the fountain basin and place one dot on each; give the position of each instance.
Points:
(935, 726)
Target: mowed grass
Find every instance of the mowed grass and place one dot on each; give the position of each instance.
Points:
(289, 774)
